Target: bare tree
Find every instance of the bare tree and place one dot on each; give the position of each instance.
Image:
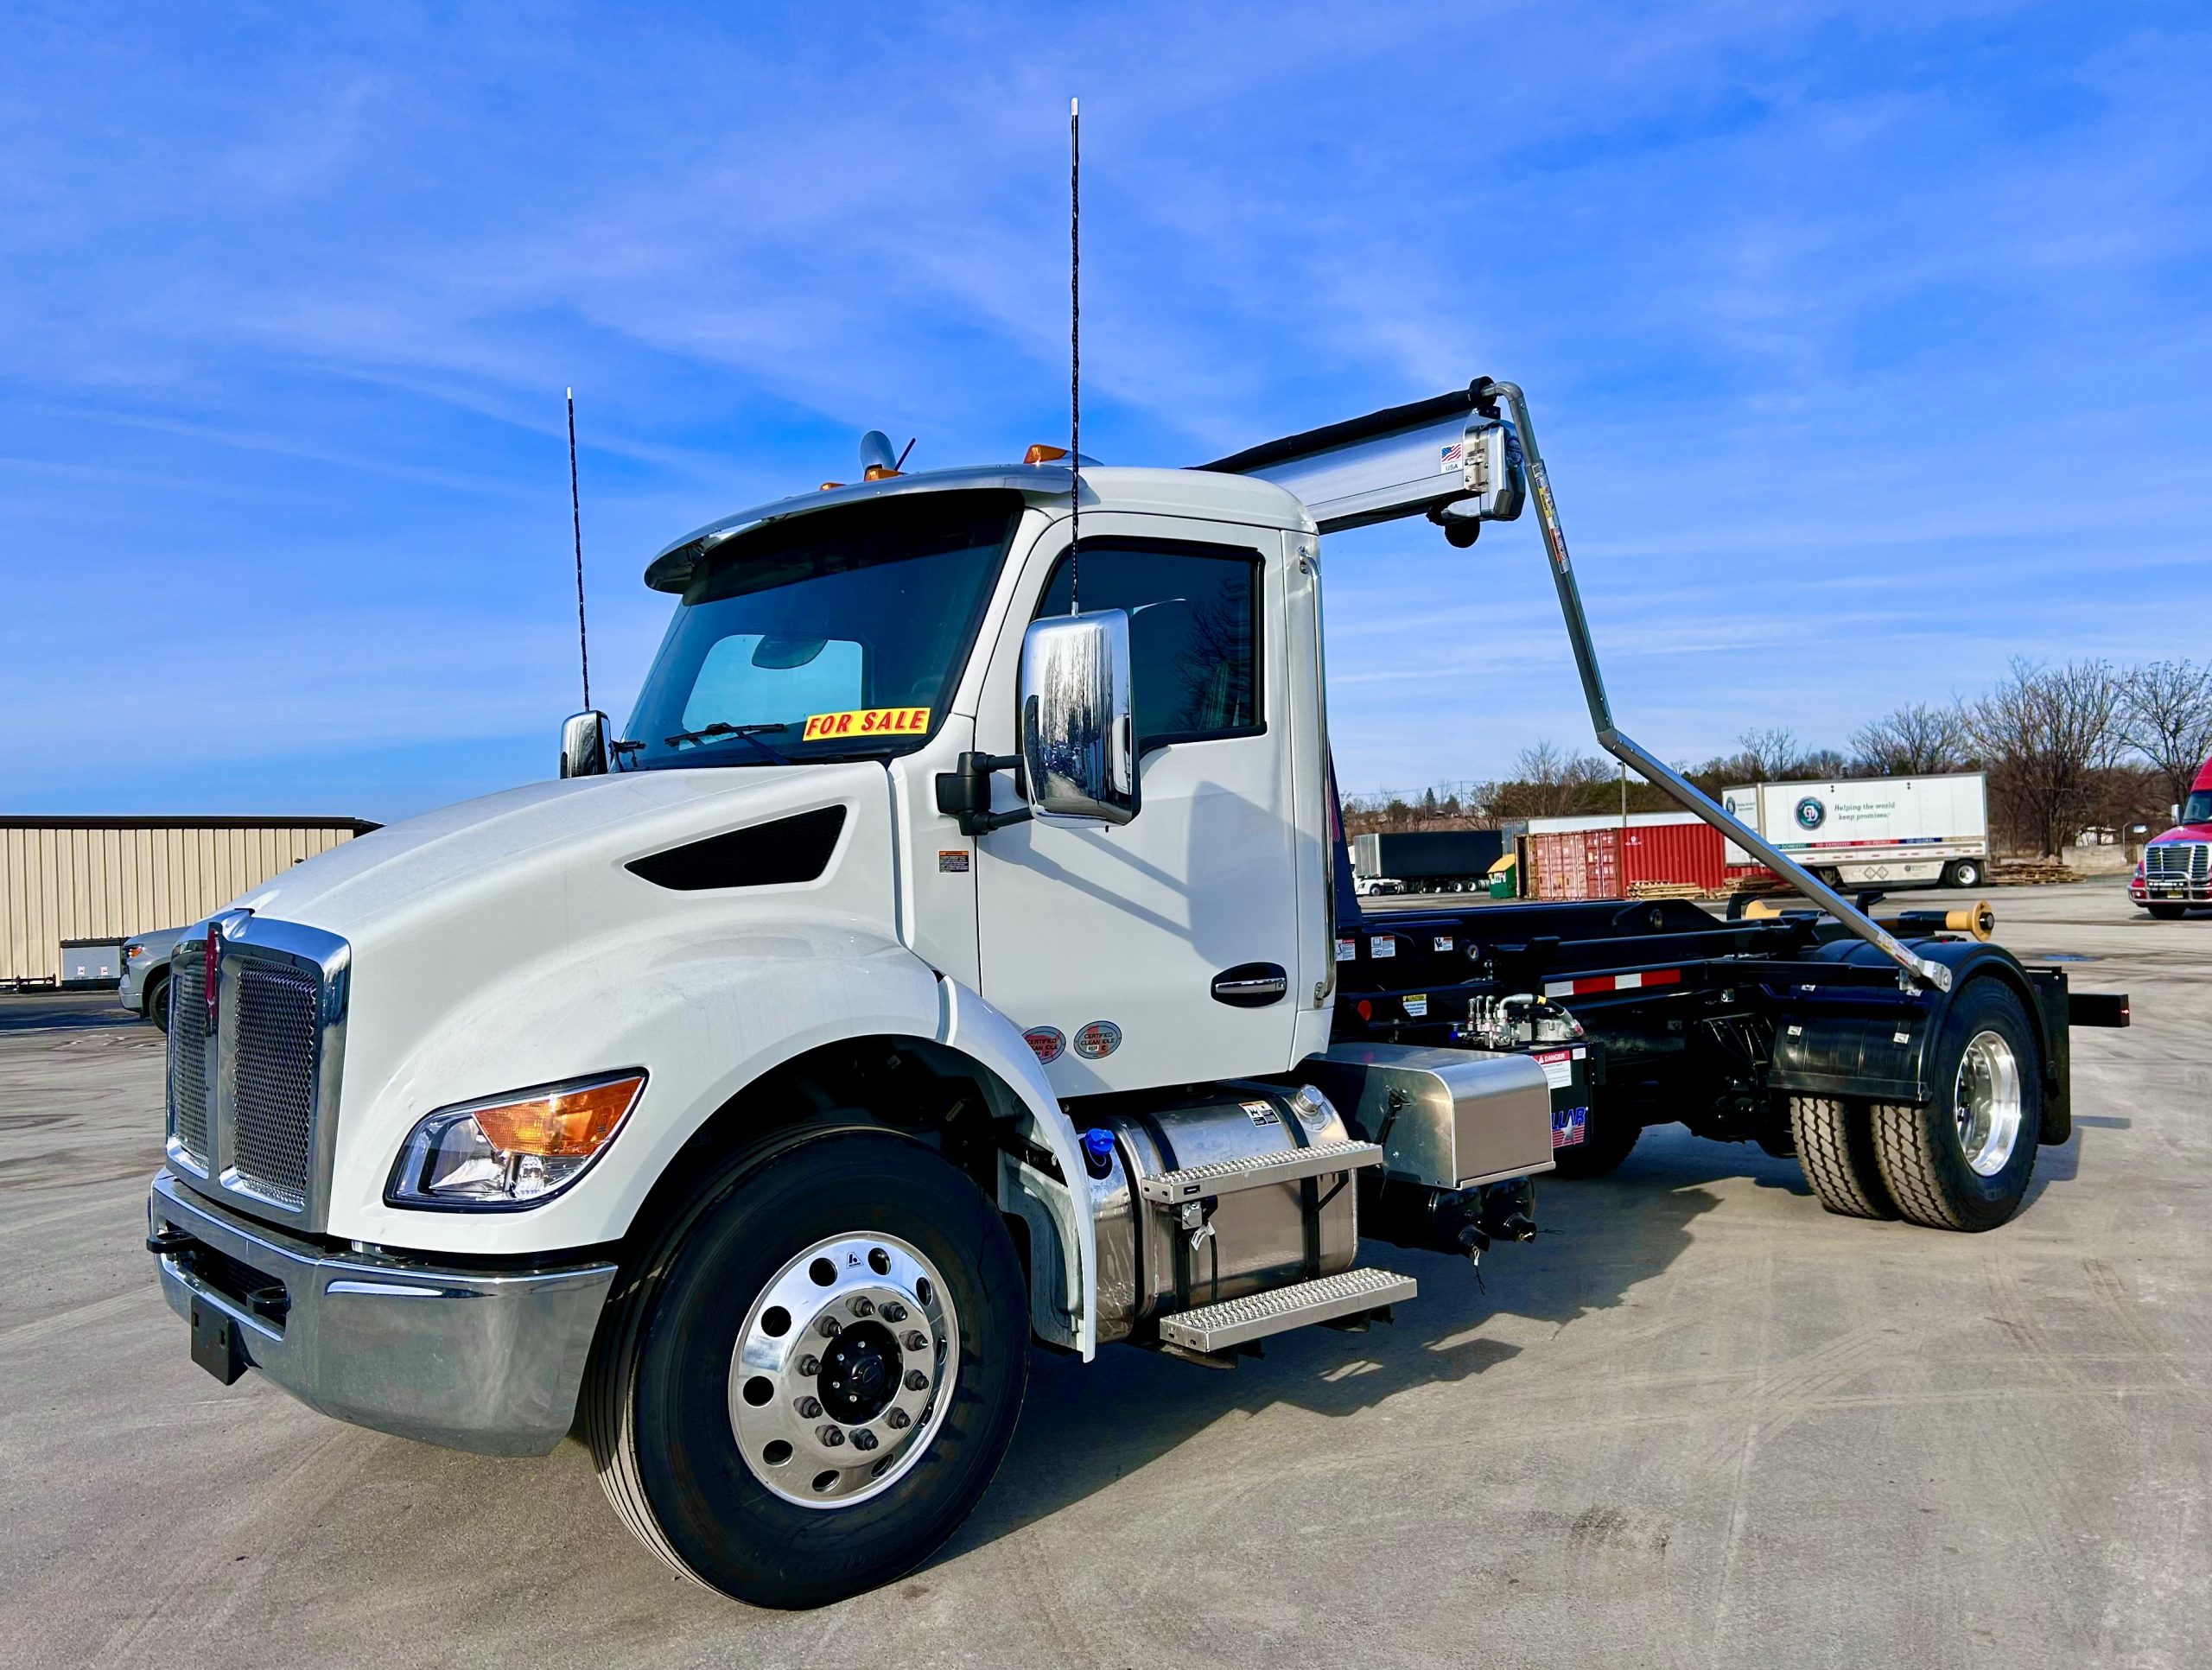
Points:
(2165, 715)
(1548, 781)
(1772, 754)
(2047, 734)
(1917, 740)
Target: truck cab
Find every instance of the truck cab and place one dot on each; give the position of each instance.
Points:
(2174, 871)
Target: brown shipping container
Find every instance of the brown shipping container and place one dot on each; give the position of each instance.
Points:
(1574, 864)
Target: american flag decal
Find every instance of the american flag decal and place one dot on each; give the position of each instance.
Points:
(1450, 459)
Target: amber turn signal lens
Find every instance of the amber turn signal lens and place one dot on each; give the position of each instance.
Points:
(1038, 453)
(878, 473)
(567, 1125)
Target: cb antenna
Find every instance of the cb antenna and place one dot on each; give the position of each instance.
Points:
(577, 518)
(1075, 354)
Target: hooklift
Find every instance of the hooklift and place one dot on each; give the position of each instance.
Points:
(962, 951)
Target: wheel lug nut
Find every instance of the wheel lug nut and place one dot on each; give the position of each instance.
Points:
(809, 1408)
(829, 1327)
(863, 1439)
(863, 1307)
(810, 1367)
(916, 1381)
(895, 1312)
(897, 1420)
(917, 1341)
(830, 1436)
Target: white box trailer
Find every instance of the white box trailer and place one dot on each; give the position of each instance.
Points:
(1876, 831)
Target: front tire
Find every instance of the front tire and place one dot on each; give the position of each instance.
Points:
(157, 1003)
(2167, 912)
(1963, 1161)
(716, 1389)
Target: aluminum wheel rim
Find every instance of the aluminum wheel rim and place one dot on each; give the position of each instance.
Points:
(1987, 1099)
(843, 1370)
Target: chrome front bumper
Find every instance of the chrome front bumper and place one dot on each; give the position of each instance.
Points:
(488, 1361)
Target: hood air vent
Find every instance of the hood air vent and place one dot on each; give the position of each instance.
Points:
(761, 855)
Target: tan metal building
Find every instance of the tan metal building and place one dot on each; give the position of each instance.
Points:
(102, 878)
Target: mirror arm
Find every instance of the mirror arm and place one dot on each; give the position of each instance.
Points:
(965, 794)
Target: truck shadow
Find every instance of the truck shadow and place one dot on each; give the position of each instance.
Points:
(1086, 1426)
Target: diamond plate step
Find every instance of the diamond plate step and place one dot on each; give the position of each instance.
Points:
(1232, 1322)
(1257, 1171)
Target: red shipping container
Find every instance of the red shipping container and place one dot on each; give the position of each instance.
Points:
(1691, 854)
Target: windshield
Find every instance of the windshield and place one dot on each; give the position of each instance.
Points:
(2197, 808)
(838, 635)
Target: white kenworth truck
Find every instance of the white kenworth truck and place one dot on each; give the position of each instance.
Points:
(957, 950)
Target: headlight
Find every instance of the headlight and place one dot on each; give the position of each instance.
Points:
(513, 1151)
(133, 953)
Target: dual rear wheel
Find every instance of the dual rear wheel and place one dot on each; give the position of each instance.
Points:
(1961, 1162)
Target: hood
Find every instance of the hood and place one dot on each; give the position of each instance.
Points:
(537, 841)
(2181, 832)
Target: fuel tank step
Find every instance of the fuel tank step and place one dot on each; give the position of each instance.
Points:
(1234, 1321)
(1257, 1171)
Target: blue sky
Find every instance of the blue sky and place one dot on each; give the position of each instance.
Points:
(1870, 345)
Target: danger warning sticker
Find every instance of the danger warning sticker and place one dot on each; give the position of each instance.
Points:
(866, 721)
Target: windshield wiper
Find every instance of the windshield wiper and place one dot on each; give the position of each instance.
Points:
(750, 733)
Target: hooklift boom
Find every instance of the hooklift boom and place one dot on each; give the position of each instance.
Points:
(951, 958)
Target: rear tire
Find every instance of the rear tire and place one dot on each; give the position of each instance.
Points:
(1607, 1138)
(1964, 1161)
(1835, 1150)
(2167, 912)
(1965, 872)
(678, 1389)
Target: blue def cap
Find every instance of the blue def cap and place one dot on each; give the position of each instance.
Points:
(1099, 1151)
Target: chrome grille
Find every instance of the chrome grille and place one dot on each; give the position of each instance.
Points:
(2190, 860)
(187, 997)
(269, 1081)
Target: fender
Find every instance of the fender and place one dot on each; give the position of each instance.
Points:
(1874, 1043)
(1061, 1206)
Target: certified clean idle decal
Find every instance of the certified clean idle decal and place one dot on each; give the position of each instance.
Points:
(1046, 1042)
(1096, 1039)
(866, 721)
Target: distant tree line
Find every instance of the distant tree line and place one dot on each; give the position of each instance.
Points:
(2084, 744)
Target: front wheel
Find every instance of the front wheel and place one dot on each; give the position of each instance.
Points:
(1963, 1161)
(2167, 912)
(815, 1374)
(157, 1004)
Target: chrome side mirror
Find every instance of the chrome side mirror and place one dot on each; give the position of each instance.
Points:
(584, 745)
(1078, 727)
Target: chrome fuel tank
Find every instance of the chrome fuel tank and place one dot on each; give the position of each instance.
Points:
(1156, 1259)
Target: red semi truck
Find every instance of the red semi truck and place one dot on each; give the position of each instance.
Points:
(2176, 869)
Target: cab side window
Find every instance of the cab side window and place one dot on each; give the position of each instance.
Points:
(1194, 633)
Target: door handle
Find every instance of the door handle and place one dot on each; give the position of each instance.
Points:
(1251, 985)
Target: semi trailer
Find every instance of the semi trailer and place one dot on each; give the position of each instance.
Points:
(957, 954)
(1426, 860)
(1875, 832)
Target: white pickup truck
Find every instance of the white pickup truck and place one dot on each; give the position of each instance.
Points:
(958, 952)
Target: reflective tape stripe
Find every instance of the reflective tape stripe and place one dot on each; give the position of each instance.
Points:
(1589, 983)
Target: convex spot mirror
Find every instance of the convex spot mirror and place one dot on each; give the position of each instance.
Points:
(584, 744)
(1078, 723)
